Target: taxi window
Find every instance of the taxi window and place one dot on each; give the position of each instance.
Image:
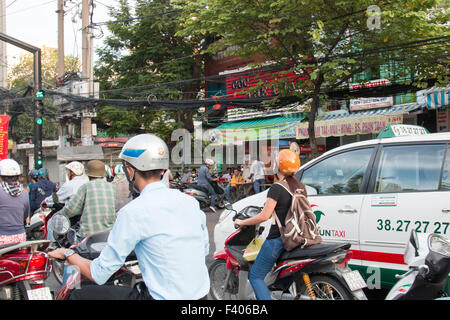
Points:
(445, 184)
(339, 174)
(410, 168)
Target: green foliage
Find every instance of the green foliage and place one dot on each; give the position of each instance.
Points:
(144, 53)
(329, 40)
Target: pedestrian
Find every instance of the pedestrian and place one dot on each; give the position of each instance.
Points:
(14, 204)
(186, 177)
(278, 202)
(232, 187)
(94, 201)
(165, 227)
(205, 180)
(257, 173)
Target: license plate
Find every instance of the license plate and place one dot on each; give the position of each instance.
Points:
(354, 280)
(40, 294)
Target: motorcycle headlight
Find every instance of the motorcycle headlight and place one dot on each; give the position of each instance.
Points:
(439, 244)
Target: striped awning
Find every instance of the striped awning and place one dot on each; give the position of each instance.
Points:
(397, 109)
(433, 98)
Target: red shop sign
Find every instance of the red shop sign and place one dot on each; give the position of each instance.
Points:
(4, 122)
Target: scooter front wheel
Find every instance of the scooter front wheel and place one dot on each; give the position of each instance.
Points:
(220, 290)
(323, 287)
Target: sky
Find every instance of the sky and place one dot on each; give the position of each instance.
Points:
(35, 22)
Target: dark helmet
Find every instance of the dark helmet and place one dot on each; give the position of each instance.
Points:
(43, 173)
(33, 174)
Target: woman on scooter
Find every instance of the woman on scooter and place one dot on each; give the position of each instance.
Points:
(14, 204)
(278, 200)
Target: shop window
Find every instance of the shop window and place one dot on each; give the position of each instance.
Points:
(410, 168)
(339, 174)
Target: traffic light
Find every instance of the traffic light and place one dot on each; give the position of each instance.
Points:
(39, 164)
(39, 121)
(40, 94)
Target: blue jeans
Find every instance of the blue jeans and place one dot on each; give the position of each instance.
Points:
(257, 187)
(228, 191)
(211, 192)
(267, 256)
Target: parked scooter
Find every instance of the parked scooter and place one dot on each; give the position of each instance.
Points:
(428, 258)
(201, 194)
(23, 268)
(316, 272)
(128, 275)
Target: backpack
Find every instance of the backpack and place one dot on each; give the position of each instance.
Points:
(300, 228)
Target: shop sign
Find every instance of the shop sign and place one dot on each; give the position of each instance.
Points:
(348, 126)
(4, 122)
(238, 84)
(307, 149)
(237, 136)
(371, 103)
(442, 119)
(370, 84)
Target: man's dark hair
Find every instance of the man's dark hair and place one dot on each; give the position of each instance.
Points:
(151, 174)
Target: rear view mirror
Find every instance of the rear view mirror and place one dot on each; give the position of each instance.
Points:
(59, 224)
(228, 206)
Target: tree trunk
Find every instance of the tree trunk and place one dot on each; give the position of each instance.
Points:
(312, 117)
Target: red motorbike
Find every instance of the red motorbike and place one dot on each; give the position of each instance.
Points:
(24, 267)
(316, 272)
(90, 248)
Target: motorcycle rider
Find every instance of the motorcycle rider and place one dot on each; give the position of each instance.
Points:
(33, 174)
(278, 200)
(76, 178)
(205, 179)
(14, 204)
(94, 201)
(166, 229)
(41, 189)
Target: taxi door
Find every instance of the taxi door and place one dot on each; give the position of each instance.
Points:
(409, 189)
(338, 182)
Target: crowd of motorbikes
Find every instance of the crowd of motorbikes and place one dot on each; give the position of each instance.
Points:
(314, 273)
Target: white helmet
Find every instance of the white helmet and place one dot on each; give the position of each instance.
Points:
(76, 167)
(146, 152)
(209, 162)
(9, 167)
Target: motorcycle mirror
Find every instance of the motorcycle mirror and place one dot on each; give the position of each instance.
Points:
(228, 206)
(59, 224)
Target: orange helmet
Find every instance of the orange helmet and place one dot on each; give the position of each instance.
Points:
(288, 162)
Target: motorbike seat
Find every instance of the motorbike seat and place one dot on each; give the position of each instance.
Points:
(316, 250)
(197, 187)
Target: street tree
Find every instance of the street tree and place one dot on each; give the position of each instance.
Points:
(329, 41)
(140, 57)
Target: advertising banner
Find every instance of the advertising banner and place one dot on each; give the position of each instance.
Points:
(348, 126)
(4, 122)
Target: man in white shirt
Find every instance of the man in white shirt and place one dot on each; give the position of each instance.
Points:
(76, 178)
(257, 173)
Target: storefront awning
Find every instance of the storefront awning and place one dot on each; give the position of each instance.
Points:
(364, 122)
(258, 129)
(433, 98)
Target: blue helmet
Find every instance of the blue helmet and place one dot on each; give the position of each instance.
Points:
(33, 174)
(43, 173)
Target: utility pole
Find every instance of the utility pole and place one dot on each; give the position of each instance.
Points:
(3, 57)
(86, 69)
(60, 12)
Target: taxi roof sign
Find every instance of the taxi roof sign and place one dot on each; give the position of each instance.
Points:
(401, 130)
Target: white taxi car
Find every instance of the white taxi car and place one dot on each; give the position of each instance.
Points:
(372, 194)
